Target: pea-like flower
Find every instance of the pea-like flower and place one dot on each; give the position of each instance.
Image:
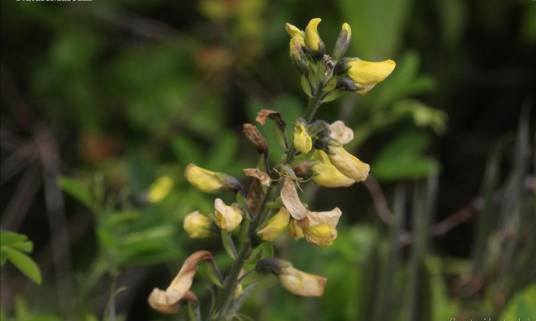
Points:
(275, 225)
(197, 225)
(168, 301)
(320, 228)
(367, 74)
(326, 174)
(227, 217)
(343, 42)
(159, 189)
(313, 42)
(209, 181)
(295, 281)
(348, 164)
(303, 142)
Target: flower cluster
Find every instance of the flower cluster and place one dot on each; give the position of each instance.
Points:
(271, 203)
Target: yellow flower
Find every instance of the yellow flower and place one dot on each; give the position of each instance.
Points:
(209, 181)
(326, 174)
(312, 38)
(168, 301)
(320, 228)
(366, 74)
(302, 140)
(159, 189)
(343, 42)
(275, 225)
(227, 217)
(197, 225)
(348, 164)
(292, 279)
(302, 283)
(294, 229)
(295, 32)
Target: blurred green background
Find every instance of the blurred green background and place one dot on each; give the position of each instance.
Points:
(101, 98)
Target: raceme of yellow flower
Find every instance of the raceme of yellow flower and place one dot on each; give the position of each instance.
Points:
(348, 164)
(313, 41)
(159, 189)
(197, 225)
(367, 74)
(302, 140)
(168, 301)
(275, 225)
(326, 174)
(227, 217)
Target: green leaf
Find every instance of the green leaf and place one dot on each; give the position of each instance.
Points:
(24, 263)
(222, 153)
(9, 238)
(185, 150)
(77, 190)
(522, 306)
(228, 245)
(403, 159)
(377, 25)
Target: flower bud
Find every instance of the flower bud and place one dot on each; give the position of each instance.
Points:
(367, 74)
(209, 181)
(227, 217)
(343, 42)
(275, 225)
(197, 225)
(168, 301)
(313, 42)
(348, 164)
(295, 32)
(340, 132)
(159, 189)
(254, 136)
(320, 228)
(302, 140)
(326, 174)
(295, 281)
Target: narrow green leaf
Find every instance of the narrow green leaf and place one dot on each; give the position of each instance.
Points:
(76, 189)
(24, 263)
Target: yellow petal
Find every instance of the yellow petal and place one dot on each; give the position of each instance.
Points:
(367, 72)
(293, 31)
(197, 225)
(227, 217)
(301, 283)
(312, 38)
(320, 228)
(275, 225)
(205, 180)
(302, 140)
(348, 164)
(326, 174)
(159, 189)
(294, 229)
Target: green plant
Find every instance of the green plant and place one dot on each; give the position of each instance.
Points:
(271, 203)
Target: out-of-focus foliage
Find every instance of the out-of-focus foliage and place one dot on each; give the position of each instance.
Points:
(135, 90)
